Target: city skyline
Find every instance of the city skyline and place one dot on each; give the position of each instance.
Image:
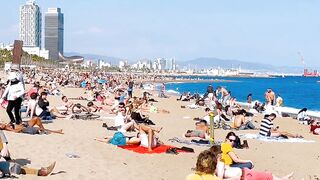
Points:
(264, 31)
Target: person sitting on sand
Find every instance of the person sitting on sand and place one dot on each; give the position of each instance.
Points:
(43, 111)
(205, 167)
(229, 157)
(32, 103)
(315, 127)
(303, 117)
(266, 128)
(28, 127)
(226, 172)
(240, 122)
(145, 137)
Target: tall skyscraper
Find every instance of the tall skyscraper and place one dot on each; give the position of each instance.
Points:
(53, 32)
(30, 24)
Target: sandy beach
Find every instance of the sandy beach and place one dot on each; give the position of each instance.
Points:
(103, 161)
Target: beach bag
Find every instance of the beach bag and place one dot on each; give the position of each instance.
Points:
(118, 139)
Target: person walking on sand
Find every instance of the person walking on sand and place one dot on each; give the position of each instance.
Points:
(14, 94)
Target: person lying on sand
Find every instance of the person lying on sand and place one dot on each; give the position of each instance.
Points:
(201, 131)
(224, 171)
(10, 167)
(28, 127)
(145, 137)
(266, 128)
(153, 109)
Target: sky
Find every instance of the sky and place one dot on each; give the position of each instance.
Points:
(264, 31)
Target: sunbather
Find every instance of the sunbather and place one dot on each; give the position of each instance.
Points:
(9, 167)
(145, 137)
(226, 172)
(28, 127)
(266, 128)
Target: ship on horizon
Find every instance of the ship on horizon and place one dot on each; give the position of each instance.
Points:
(307, 73)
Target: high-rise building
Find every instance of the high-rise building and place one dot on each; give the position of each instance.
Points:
(53, 32)
(30, 24)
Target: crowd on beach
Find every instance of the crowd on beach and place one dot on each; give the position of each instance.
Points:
(113, 94)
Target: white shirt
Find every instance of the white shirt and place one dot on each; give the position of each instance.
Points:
(119, 120)
(13, 91)
(32, 103)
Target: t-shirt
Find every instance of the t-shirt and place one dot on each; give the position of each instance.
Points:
(201, 177)
(265, 127)
(226, 148)
(119, 120)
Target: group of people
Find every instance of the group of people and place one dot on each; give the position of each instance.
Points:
(221, 162)
(14, 94)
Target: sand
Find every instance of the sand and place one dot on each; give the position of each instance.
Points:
(102, 161)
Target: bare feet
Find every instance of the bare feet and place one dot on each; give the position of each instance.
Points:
(45, 171)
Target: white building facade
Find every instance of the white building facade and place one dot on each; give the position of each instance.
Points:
(30, 24)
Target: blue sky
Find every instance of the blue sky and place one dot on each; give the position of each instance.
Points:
(266, 31)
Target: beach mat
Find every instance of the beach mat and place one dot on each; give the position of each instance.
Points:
(143, 150)
(275, 139)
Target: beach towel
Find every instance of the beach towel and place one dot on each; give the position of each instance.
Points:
(143, 150)
(275, 139)
(190, 142)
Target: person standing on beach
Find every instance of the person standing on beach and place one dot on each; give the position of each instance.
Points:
(270, 97)
(225, 95)
(130, 87)
(279, 101)
(14, 94)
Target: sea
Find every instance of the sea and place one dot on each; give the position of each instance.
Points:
(297, 92)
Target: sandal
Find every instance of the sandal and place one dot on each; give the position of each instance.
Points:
(172, 151)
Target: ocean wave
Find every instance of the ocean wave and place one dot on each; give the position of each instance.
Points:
(290, 110)
(172, 91)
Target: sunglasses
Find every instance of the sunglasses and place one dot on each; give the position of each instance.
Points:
(232, 140)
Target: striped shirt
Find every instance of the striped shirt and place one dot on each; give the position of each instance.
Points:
(265, 127)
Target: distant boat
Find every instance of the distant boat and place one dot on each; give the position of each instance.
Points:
(318, 81)
(306, 73)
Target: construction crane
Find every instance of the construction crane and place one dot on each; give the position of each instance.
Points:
(302, 59)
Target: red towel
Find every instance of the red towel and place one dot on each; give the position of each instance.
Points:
(143, 150)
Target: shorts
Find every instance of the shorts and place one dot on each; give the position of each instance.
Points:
(29, 130)
(144, 141)
(249, 174)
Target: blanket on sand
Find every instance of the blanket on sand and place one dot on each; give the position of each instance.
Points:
(143, 150)
(274, 139)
